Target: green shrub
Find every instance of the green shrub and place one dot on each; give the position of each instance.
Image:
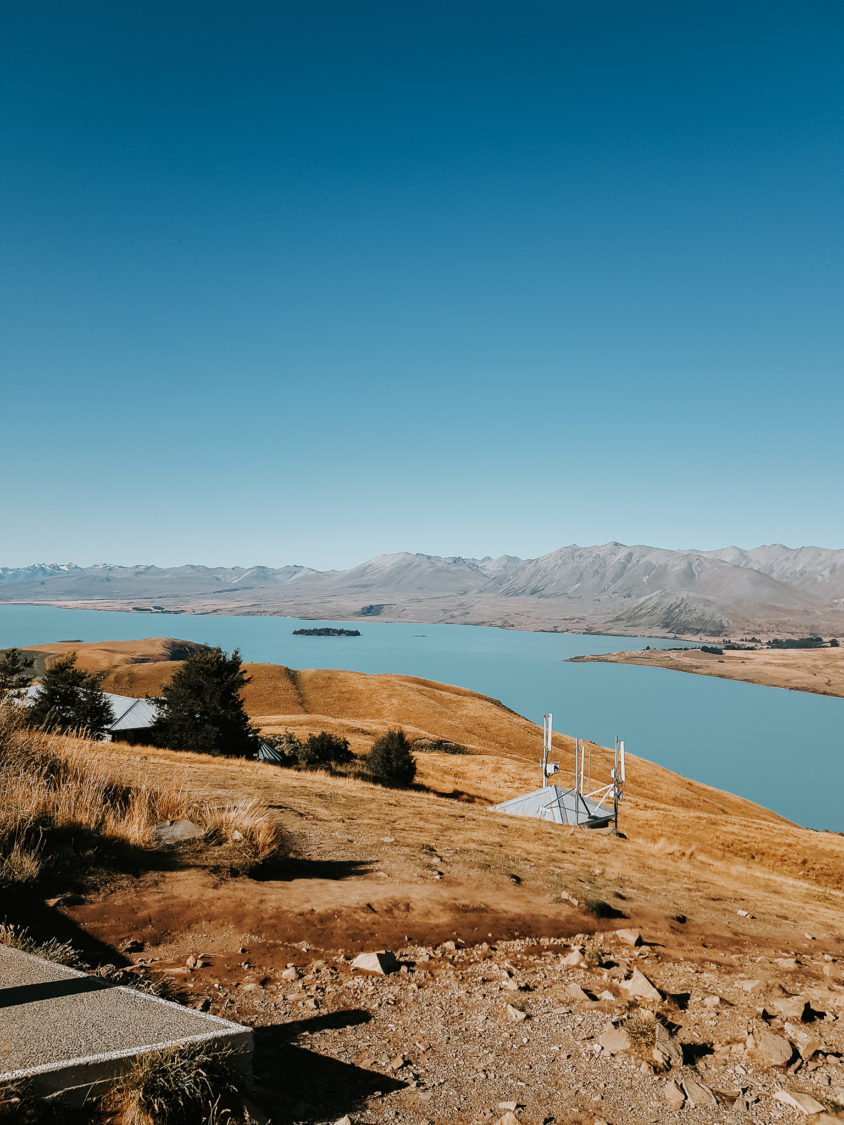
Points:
(323, 750)
(390, 761)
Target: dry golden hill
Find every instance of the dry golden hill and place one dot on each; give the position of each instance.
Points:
(676, 814)
(101, 655)
(820, 671)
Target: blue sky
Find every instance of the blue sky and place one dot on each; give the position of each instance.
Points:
(311, 282)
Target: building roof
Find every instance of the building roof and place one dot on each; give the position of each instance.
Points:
(129, 713)
(561, 806)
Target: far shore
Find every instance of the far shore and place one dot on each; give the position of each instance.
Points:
(819, 671)
(524, 623)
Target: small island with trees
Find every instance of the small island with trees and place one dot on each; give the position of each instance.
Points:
(326, 632)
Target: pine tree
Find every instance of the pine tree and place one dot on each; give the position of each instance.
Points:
(390, 761)
(15, 670)
(71, 700)
(201, 709)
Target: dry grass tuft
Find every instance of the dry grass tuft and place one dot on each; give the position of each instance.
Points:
(642, 1032)
(61, 952)
(190, 1085)
(49, 782)
(248, 822)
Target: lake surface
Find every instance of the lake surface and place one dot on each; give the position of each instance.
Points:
(780, 748)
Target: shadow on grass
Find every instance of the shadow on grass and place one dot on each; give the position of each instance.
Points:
(302, 1084)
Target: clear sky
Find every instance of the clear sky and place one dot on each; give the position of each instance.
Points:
(307, 282)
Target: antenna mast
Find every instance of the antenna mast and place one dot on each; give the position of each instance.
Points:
(547, 721)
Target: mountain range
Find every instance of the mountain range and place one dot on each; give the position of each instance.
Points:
(610, 588)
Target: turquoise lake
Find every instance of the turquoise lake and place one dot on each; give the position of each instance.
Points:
(780, 748)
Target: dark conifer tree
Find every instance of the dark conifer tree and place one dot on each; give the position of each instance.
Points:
(71, 700)
(390, 761)
(201, 709)
(15, 670)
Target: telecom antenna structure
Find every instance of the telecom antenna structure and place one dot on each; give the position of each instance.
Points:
(618, 777)
(547, 731)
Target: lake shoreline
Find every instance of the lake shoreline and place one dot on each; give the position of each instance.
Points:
(789, 670)
(571, 628)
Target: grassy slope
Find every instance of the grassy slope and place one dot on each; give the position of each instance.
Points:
(669, 820)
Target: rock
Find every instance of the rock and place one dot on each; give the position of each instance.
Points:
(575, 992)
(132, 945)
(640, 988)
(516, 1014)
(396, 1063)
(614, 1040)
(743, 913)
(791, 1007)
(711, 1001)
(789, 963)
(629, 937)
(509, 1118)
(237, 836)
(667, 1049)
(698, 1093)
(805, 1103)
(344, 1120)
(381, 962)
(290, 974)
(674, 1095)
(772, 1050)
(749, 985)
(805, 1043)
(573, 958)
(176, 831)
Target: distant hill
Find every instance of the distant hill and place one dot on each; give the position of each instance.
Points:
(610, 588)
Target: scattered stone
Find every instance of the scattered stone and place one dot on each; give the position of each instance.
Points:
(516, 1014)
(667, 1049)
(674, 1094)
(381, 962)
(749, 985)
(396, 1063)
(698, 1093)
(771, 1049)
(640, 988)
(792, 1008)
(629, 937)
(805, 1103)
(176, 831)
(512, 1106)
(805, 1043)
(290, 974)
(574, 958)
(614, 1040)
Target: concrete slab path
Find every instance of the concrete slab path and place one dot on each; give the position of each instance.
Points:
(67, 1031)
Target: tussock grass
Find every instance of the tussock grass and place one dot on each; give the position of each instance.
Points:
(244, 821)
(62, 952)
(188, 1085)
(49, 783)
(642, 1032)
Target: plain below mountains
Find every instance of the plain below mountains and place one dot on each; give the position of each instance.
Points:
(771, 590)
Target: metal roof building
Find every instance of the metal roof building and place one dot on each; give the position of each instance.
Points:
(561, 806)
